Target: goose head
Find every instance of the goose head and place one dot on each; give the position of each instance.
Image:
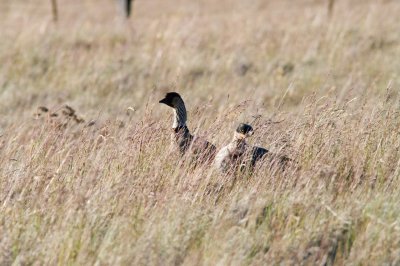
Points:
(243, 131)
(172, 99)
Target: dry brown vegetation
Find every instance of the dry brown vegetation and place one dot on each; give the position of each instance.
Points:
(106, 191)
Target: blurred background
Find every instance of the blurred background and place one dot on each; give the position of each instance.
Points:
(89, 54)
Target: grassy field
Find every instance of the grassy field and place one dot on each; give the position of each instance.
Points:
(104, 189)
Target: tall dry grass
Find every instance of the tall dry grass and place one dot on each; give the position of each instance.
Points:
(107, 190)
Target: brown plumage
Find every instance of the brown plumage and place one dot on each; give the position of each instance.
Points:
(181, 137)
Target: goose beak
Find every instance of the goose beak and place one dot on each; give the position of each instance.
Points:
(164, 101)
(249, 134)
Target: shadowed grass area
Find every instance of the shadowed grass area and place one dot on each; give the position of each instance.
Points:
(99, 185)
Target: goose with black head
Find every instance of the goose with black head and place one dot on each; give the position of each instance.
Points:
(181, 137)
(238, 154)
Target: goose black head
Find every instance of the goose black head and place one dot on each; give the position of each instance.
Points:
(171, 99)
(244, 130)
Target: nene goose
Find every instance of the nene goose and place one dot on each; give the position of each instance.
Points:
(181, 137)
(238, 154)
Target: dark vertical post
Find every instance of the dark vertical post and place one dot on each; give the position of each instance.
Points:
(54, 10)
(126, 6)
(331, 4)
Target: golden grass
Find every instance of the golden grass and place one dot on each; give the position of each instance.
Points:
(106, 191)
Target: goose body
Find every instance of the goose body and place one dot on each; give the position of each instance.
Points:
(228, 158)
(257, 153)
(181, 138)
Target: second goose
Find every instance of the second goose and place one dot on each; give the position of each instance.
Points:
(238, 154)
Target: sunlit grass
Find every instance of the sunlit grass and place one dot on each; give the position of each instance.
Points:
(107, 190)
